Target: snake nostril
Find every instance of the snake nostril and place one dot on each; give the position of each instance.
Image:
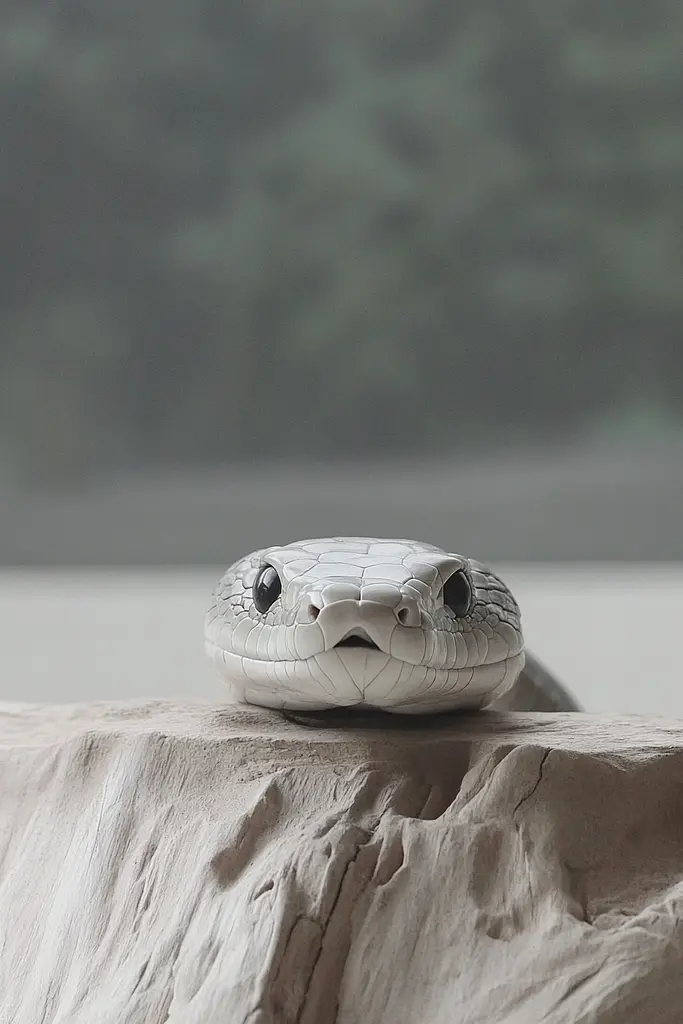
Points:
(408, 613)
(312, 611)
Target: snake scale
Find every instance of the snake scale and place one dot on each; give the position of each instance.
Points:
(372, 623)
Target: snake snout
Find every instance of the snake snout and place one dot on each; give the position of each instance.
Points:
(363, 623)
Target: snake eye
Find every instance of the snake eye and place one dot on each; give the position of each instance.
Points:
(267, 588)
(457, 593)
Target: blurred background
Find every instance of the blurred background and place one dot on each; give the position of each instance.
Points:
(282, 269)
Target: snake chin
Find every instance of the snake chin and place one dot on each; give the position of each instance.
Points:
(351, 675)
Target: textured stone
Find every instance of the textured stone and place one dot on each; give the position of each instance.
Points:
(168, 863)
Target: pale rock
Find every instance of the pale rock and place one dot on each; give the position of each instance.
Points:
(167, 864)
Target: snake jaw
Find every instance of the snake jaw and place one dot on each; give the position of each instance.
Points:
(351, 676)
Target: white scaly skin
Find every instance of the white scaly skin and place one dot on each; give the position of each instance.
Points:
(389, 592)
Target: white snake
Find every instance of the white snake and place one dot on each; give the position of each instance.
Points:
(363, 622)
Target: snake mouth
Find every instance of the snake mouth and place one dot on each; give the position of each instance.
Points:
(357, 638)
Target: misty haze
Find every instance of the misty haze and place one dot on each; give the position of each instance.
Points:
(279, 270)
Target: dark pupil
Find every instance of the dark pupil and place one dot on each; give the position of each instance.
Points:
(266, 589)
(457, 594)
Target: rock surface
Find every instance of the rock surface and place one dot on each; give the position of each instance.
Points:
(204, 865)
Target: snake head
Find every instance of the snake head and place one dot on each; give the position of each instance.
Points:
(348, 621)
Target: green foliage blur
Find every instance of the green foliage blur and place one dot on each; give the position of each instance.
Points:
(283, 228)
